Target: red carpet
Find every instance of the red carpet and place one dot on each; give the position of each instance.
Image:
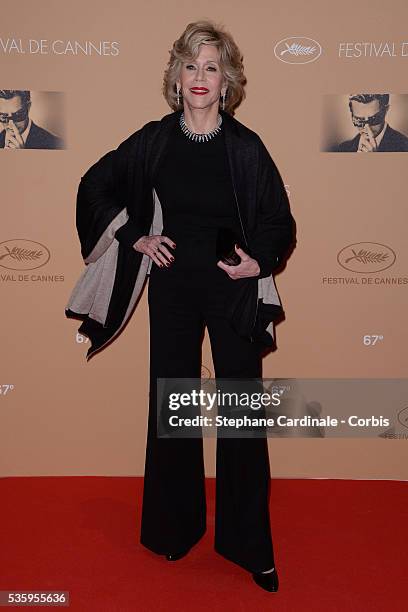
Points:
(340, 545)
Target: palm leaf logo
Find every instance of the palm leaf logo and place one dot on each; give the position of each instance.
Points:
(21, 254)
(297, 49)
(367, 257)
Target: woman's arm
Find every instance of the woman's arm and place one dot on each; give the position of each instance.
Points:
(103, 193)
(275, 224)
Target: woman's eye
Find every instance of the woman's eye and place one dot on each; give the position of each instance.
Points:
(212, 68)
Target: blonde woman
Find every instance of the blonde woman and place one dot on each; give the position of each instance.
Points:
(154, 207)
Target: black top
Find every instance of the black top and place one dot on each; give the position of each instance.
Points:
(194, 186)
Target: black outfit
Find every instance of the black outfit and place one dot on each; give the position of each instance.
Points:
(195, 190)
(122, 180)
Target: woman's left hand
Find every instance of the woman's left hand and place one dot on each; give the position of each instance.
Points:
(247, 267)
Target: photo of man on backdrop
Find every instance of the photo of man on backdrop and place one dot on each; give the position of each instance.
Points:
(17, 129)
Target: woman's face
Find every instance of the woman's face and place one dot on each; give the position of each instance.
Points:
(202, 76)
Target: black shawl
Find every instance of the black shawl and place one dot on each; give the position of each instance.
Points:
(122, 183)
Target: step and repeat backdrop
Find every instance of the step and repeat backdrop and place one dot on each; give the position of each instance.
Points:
(327, 94)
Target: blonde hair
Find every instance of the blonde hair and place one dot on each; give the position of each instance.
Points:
(186, 48)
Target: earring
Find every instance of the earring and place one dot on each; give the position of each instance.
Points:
(223, 100)
(178, 97)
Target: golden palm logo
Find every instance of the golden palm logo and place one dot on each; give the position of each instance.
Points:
(366, 257)
(297, 50)
(21, 254)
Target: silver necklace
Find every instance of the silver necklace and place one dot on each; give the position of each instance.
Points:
(200, 137)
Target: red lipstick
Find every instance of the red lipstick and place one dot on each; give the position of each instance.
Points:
(199, 90)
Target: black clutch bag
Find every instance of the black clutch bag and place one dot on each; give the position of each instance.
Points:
(225, 246)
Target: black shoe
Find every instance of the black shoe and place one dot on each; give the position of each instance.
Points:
(177, 556)
(269, 581)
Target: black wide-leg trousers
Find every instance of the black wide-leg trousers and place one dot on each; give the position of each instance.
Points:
(174, 503)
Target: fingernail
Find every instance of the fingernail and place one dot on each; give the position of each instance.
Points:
(171, 258)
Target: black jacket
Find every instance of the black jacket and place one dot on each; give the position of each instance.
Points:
(116, 206)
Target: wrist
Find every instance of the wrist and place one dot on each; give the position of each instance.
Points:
(129, 233)
(138, 242)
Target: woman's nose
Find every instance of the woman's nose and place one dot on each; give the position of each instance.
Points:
(200, 74)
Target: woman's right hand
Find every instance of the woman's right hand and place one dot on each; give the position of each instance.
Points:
(154, 247)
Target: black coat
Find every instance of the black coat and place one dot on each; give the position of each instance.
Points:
(117, 203)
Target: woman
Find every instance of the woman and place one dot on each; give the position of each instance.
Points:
(157, 204)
